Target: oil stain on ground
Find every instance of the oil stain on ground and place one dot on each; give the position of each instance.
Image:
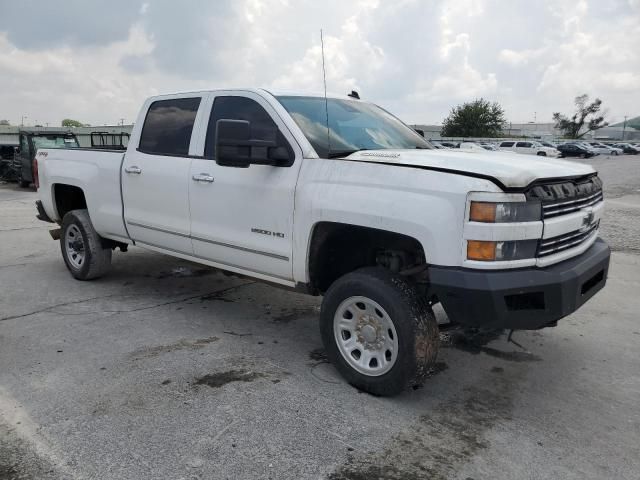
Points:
(475, 342)
(217, 380)
(439, 442)
(181, 272)
(183, 344)
(287, 315)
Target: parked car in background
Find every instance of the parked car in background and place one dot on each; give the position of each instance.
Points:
(30, 142)
(603, 149)
(473, 146)
(528, 147)
(574, 150)
(488, 146)
(548, 144)
(628, 148)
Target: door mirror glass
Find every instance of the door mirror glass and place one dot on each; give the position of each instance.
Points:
(236, 148)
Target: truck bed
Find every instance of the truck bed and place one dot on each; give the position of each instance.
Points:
(97, 173)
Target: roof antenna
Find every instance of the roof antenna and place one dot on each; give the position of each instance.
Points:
(326, 103)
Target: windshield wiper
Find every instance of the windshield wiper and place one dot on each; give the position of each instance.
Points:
(343, 153)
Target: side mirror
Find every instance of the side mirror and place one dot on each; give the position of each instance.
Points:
(236, 148)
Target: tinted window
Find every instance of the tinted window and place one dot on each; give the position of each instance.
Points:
(241, 108)
(24, 146)
(168, 126)
(523, 144)
(506, 144)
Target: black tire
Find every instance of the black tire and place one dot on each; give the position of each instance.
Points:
(412, 318)
(97, 259)
(24, 183)
(542, 154)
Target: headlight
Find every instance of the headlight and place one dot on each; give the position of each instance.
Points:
(488, 251)
(506, 212)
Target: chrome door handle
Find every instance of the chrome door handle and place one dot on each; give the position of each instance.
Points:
(133, 169)
(203, 177)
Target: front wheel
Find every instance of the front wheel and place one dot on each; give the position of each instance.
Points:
(82, 248)
(542, 154)
(614, 153)
(379, 331)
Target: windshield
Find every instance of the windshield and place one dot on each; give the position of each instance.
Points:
(353, 126)
(54, 142)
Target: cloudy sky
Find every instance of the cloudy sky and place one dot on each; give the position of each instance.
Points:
(97, 61)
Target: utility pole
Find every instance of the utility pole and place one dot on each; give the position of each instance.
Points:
(122, 122)
(624, 127)
(22, 121)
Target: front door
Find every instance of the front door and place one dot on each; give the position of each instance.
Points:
(242, 218)
(155, 176)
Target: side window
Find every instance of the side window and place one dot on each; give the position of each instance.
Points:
(24, 146)
(242, 108)
(506, 144)
(523, 144)
(168, 126)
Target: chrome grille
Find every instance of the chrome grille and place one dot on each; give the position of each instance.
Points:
(550, 246)
(550, 210)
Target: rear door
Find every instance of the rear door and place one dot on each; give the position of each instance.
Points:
(524, 147)
(155, 176)
(242, 218)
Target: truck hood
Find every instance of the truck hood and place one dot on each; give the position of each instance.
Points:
(512, 170)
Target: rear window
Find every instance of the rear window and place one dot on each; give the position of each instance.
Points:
(506, 144)
(168, 126)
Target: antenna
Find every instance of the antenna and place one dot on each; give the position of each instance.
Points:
(326, 103)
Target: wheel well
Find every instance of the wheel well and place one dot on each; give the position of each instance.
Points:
(67, 198)
(337, 249)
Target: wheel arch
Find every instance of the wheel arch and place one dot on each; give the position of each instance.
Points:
(337, 248)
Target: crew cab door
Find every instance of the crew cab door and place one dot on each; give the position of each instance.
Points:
(155, 176)
(242, 218)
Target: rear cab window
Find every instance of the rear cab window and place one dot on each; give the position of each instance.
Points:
(168, 126)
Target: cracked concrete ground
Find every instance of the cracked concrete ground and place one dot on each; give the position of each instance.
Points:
(170, 370)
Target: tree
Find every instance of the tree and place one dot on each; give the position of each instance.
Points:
(574, 127)
(479, 118)
(4, 122)
(68, 122)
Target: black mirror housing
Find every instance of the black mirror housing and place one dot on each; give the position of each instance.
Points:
(236, 148)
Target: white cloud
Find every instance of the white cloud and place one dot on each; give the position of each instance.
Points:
(416, 58)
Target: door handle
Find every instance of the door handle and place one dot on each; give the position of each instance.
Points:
(203, 177)
(133, 169)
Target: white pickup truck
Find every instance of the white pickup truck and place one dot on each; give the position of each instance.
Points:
(337, 197)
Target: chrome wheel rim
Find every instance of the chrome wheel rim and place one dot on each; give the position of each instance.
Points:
(366, 336)
(74, 246)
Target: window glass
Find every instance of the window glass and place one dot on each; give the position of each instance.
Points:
(240, 108)
(353, 125)
(523, 144)
(54, 141)
(24, 146)
(506, 144)
(168, 126)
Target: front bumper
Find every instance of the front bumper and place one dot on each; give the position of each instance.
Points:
(523, 299)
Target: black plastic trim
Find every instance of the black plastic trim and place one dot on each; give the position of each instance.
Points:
(42, 215)
(486, 298)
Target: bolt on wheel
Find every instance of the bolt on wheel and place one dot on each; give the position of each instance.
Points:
(365, 335)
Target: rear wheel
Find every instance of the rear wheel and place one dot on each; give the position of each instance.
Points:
(81, 246)
(379, 331)
(22, 182)
(542, 154)
(614, 152)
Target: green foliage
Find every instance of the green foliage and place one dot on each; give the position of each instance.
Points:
(580, 123)
(68, 122)
(479, 118)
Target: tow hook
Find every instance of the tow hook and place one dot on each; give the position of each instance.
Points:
(55, 233)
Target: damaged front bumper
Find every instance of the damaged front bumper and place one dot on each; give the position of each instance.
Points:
(523, 299)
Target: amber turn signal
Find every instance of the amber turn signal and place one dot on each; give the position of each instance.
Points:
(482, 212)
(481, 250)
